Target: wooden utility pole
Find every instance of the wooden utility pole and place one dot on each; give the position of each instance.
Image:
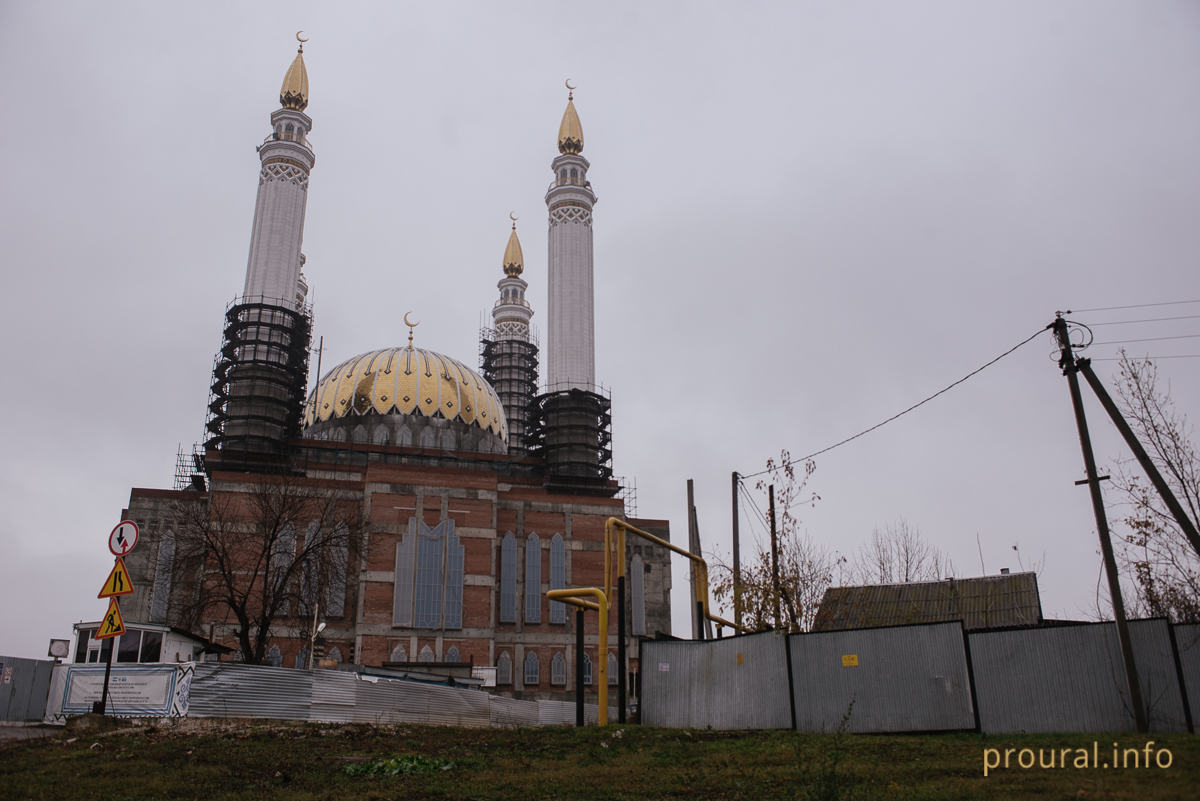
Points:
(1070, 370)
(693, 547)
(774, 554)
(737, 560)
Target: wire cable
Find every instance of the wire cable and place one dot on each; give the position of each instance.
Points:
(1137, 306)
(1188, 356)
(1149, 320)
(909, 409)
(1147, 339)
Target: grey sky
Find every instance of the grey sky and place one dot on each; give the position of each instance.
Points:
(810, 216)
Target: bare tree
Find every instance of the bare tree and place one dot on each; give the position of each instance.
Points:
(898, 554)
(805, 568)
(1155, 555)
(268, 548)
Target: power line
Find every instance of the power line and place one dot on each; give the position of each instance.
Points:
(1149, 320)
(1188, 356)
(1136, 306)
(1148, 339)
(910, 408)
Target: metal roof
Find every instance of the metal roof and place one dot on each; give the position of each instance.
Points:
(986, 602)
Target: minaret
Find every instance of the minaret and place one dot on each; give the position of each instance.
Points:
(273, 270)
(261, 373)
(574, 418)
(570, 338)
(509, 353)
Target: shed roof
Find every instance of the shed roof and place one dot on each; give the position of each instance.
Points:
(986, 602)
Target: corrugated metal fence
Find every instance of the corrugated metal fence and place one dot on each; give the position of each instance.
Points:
(734, 683)
(1071, 678)
(24, 685)
(900, 678)
(1187, 641)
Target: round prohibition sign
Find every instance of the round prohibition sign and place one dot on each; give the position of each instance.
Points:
(123, 538)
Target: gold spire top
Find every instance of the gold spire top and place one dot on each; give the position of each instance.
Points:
(514, 260)
(294, 93)
(570, 132)
(411, 326)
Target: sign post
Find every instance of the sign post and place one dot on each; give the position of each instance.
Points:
(120, 542)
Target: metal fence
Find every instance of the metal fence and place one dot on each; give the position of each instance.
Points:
(1071, 678)
(895, 679)
(732, 683)
(24, 684)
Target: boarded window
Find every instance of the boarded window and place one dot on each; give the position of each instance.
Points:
(558, 577)
(162, 578)
(637, 594)
(533, 579)
(533, 670)
(508, 579)
(558, 669)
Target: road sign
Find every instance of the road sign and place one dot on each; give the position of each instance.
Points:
(123, 538)
(113, 625)
(118, 582)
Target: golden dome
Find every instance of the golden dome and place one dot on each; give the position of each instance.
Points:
(514, 260)
(294, 93)
(570, 132)
(407, 381)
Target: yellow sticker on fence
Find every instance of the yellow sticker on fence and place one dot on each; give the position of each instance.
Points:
(849, 660)
(740, 658)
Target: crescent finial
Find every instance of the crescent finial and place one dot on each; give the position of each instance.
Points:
(411, 326)
(512, 215)
(567, 83)
(301, 41)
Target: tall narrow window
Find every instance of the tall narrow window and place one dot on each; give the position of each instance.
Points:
(587, 669)
(637, 594)
(533, 670)
(274, 658)
(281, 563)
(558, 577)
(504, 669)
(612, 668)
(508, 579)
(337, 561)
(533, 579)
(310, 578)
(302, 659)
(162, 578)
(429, 577)
(558, 669)
(426, 654)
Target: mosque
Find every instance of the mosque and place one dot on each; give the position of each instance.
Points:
(477, 490)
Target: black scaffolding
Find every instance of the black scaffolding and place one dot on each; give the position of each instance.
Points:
(259, 382)
(511, 367)
(576, 428)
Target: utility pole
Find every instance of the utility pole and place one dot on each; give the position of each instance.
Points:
(774, 554)
(1070, 370)
(693, 546)
(737, 560)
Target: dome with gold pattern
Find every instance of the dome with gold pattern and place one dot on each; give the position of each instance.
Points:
(408, 397)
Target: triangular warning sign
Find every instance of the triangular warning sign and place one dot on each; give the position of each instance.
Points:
(112, 625)
(118, 582)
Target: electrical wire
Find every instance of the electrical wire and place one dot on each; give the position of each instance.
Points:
(1136, 306)
(1148, 339)
(1150, 320)
(909, 409)
(1188, 356)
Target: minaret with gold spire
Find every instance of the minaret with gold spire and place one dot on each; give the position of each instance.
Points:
(273, 269)
(570, 337)
(509, 352)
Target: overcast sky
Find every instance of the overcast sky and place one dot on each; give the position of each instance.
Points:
(810, 216)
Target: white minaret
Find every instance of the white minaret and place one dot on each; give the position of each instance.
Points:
(511, 314)
(570, 361)
(273, 271)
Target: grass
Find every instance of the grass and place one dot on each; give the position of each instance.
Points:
(312, 761)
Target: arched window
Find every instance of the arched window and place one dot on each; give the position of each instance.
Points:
(504, 669)
(425, 440)
(637, 594)
(163, 565)
(426, 654)
(274, 658)
(508, 579)
(587, 669)
(288, 128)
(302, 659)
(360, 433)
(558, 577)
(533, 670)
(452, 655)
(429, 577)
(239, 656)
(335, 654)
(399, 654)
(533, 579)
(558, 669)
(381, 435)
(404, 437)
(613, 674)
(574, 173)
(323, 578)
(448, 441)
(562, 174)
